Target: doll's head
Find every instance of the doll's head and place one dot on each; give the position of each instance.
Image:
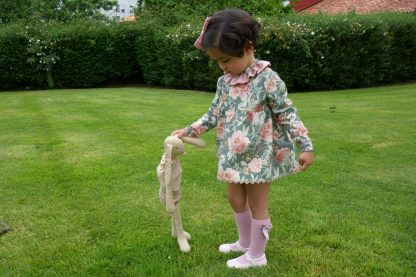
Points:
(231, 32)
(177, 146)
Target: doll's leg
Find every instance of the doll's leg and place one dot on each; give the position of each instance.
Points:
(174, 231)
(182, 236)
(257, 195)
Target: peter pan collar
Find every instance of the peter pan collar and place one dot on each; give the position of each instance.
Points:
(253, 70)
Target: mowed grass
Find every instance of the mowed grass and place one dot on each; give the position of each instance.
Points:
(79, 189)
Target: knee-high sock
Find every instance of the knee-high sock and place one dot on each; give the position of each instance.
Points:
(243, 221)
(259, 237)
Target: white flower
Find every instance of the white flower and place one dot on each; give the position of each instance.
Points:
(312, 33)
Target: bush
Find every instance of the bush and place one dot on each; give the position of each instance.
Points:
(309, 52)
(167, 57)
(313, 52)
(13, 57)
(85, 54)
(91, 54)
(321, 52)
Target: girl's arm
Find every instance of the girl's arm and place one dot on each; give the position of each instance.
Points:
(284, 113)
(208, 120)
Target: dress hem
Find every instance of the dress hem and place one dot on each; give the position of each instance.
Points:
(258, 181)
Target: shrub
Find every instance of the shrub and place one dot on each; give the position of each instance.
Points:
(314, 52)
(309, 52)
(13, 57)
(322, 52)
(85, 54)
(90, 54)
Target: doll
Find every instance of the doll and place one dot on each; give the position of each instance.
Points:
(169, 173)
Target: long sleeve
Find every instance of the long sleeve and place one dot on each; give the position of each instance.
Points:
(208, 120)
(285, 114)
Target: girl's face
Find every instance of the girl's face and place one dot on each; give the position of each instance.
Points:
(231, 64)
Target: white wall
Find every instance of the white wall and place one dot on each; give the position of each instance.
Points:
(123, 9)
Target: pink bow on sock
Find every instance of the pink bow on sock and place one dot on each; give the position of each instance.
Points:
(198, 41)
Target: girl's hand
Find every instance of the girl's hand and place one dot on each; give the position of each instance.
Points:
(305, 160)
(180, 133)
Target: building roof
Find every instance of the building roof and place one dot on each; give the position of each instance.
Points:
(129, 18)
(358, 6)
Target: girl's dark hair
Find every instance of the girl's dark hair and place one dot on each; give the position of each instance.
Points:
(230, 30)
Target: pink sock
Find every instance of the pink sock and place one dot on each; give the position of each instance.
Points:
(259, 237)
(243, 221)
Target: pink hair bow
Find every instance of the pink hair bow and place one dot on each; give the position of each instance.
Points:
(198, 41)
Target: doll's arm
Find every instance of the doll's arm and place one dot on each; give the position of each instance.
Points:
(194, 141)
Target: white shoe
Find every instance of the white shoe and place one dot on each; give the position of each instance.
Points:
(245, 261)
(232, 247)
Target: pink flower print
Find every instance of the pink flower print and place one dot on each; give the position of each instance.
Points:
(255, 165)
(258, 108)
(253, 112)
(220, 128)
(229, 115)
(281, 118)
(198, 129)
(266, 132)
(251, 115)
(270, 85)
(301, 130)
(280, 155)
(229, 175)
(240, 90)
(238, 142)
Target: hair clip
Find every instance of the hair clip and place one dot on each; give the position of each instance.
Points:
(198, 41)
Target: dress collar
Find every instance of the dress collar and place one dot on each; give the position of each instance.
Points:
(253, 70)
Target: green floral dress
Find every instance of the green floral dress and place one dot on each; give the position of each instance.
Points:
(257, 127)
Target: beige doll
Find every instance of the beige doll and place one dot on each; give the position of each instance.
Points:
(169, 173)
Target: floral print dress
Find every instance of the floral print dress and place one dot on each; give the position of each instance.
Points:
(257, 127)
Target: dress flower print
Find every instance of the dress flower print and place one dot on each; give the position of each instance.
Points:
(257, 127)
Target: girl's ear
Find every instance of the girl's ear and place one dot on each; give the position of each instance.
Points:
(249, 47)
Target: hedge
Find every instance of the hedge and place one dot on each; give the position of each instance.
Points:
(86, 54)
(13, 57)
(314, 52)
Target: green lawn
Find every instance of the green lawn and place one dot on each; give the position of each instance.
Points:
(79, 189)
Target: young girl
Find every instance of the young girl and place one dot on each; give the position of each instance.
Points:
(257, 127)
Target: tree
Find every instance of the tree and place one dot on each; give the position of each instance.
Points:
(52, 10)
(174, 11)
(11, 11)
(204, 7)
